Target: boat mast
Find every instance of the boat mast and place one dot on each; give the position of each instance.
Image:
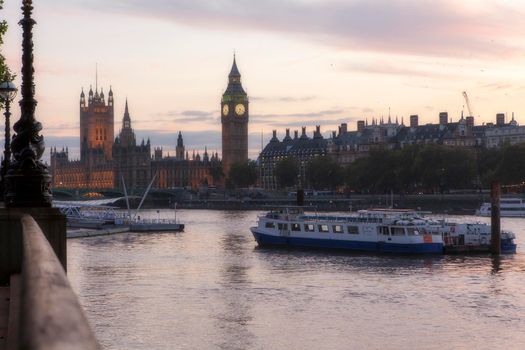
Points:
(126, 194)
(145, 194)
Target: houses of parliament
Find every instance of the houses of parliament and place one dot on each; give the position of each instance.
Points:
(108, 162)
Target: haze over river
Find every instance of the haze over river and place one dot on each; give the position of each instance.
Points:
(210, 287)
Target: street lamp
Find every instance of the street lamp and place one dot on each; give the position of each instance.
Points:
(8, 92)
(28, 183)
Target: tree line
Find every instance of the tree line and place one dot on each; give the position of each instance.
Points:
(411, 169)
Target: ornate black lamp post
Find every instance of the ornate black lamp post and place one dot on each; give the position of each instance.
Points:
(8, 92)
(28, 181)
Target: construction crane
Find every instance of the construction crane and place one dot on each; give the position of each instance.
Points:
(468, 104)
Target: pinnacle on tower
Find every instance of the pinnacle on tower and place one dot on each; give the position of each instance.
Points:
(234, 81)
(234, 71)
(126, 121)
(126, 110)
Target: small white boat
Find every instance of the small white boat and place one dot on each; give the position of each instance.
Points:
(509, 207)
(473, 237)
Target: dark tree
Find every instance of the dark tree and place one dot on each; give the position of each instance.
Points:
(286, 172)
(487, 161)
(440, 168)
(406, 177)
(324, 172)
(355, 175)
(431, 168)
(5, 74)
(511, 169)
(243, 174)
(216, 173)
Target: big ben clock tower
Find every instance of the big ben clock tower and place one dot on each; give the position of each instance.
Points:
(234, 120)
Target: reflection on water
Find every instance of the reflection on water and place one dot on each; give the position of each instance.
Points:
(211, 287)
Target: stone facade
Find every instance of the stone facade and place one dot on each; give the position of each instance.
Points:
(347, 146)
(129, 161)
(132, 162)
(302, 148)
(234, 120)
(181, 171)
(94, 169)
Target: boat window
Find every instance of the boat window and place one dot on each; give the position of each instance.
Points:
(323, 228)
(397, 231)
(282, 226)
(510, 201)
(269, 225)
(383, 230)
(353, 230)
(309, 228)
(337, 229)
(295, 227)
(412, 231)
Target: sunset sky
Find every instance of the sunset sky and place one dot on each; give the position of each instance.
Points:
(303, 62)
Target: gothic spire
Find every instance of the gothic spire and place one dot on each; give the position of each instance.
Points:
(234, 81)
(126, 121)
(234, 71)
(126, 110)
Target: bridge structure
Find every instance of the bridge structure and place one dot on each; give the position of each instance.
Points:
(94, 193)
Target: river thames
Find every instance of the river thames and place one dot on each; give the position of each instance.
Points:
(210, 287)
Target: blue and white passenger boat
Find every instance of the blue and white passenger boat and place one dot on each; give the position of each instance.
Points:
(370, 230)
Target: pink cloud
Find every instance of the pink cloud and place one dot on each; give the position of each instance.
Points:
(435, 28)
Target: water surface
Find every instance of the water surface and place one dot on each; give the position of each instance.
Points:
(210, 287)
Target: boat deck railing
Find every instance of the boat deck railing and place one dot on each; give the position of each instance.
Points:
(154, 221)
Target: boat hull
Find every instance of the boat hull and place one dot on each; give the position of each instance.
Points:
(508, 246)
(156, 227)
(264, 239)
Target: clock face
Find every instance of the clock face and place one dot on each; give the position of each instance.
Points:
(225, 110)
(239, 109)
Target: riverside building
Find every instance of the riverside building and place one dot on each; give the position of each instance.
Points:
(105, 160)
(346, 146)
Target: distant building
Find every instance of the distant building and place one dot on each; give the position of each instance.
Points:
(302, 148)
(95, 167)
(499, 135)
(132, 162)
(234, 120)
(126, 160)
(347, 146)
(183, 171)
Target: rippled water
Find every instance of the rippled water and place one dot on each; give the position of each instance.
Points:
(210, 287)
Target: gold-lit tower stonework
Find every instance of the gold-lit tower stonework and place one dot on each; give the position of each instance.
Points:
(234, 120)
(96, 124)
